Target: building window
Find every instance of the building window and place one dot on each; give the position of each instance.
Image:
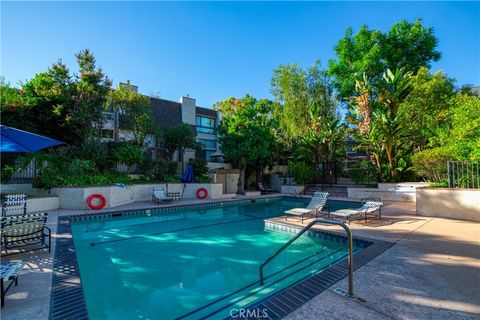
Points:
(209, 148)
(205, 124)
(208, 144)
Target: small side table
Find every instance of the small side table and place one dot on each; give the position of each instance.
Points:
(9, 271)
(174, 195)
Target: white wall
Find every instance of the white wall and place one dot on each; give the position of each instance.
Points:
(42, 204)
(76, 198)
(188, 106)
(360, 193)
(461, 204)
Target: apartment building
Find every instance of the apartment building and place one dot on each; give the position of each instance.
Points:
(168, 114)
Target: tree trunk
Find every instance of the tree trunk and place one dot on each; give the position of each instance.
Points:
(180, 157)
(241, 178)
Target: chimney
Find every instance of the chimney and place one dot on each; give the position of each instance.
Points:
(188, 109)
(128, 86)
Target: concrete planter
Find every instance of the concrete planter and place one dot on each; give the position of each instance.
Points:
(360, 193)
(42, 204)
(461, 204)
(402, 191)
(401, 186)
(76, 197)
(294, 189)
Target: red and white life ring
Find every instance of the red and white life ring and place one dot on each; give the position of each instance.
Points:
(99, 206)
(201, 193)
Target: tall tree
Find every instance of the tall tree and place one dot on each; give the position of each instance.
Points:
(386, 137)
(92, 87)
(135, 113)
(322, 146)
(427, 106)
(298, 92)
(181, 138)
(406, 45)
(246, 134)
(57, 104)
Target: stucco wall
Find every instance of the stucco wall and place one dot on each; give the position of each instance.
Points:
(360, 193)
(461, 204)
(76, 198)
(42, 204)
(294, 189)
(22, 188)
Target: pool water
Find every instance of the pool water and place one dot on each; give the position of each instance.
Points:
(192, 264)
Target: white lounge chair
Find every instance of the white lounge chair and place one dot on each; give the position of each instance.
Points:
(160, 195)
(368, 208)
(315, 206)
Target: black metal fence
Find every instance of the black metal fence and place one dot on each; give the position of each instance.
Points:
(464, 174)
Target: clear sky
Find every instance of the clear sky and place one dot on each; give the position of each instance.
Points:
(213, 50)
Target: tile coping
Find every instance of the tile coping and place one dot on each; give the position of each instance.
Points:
(68, 302)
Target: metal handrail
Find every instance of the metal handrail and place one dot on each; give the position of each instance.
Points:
(305, 229)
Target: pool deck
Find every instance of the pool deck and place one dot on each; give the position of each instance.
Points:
(432, 271)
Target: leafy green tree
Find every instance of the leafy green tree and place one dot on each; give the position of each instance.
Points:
(305, 98)
(128, 153)
(463, 131)
(356, 55)
(326, 146)
(427, 106)
(406, 45)
(41, 105)
(135, 113)
(56, 104)
(92, 87)
(380, 124)
(410, 46)
(246, 134)
(181, 138)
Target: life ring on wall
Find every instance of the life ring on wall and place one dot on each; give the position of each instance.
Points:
(201, 193)
(99, 206)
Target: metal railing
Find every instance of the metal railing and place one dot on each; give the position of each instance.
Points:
(305, 229)
(464, 174)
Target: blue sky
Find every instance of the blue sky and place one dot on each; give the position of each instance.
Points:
(213, 50)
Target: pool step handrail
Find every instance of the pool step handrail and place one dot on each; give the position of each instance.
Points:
(305, 229)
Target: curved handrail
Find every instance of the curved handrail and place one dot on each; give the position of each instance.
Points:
(305, 229)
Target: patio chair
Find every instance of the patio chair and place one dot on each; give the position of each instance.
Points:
(263, 189)
(9, 272)
(160, 195)
(25, 230)
(316, 205)
(368, 208)
(14, 204)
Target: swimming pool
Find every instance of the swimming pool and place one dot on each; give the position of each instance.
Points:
(195, 262)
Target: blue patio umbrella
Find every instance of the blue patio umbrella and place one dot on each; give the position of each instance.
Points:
(15, 140)
(188, 174)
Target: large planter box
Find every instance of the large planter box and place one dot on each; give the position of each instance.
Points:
(76, 197)
(42, 204)
(401, 186)
(360, 193)
(402, 191)
(461, 204)
(294, 189)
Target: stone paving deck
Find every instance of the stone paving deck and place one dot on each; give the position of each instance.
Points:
(432, 272)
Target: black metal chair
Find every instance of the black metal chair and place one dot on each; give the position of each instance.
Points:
(25, 230)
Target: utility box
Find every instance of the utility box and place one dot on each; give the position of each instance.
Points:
(228, 178)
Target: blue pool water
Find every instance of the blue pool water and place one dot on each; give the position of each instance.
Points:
(192, 263)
